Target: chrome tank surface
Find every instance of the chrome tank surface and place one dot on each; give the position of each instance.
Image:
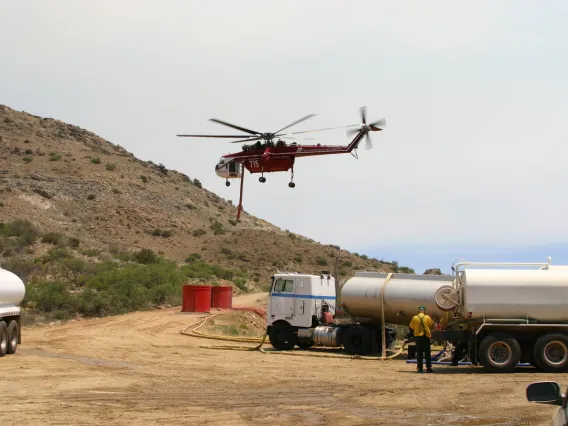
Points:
(403, 294)
(327, 336)
(12, 289)
(540, 295)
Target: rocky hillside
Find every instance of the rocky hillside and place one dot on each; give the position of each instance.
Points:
(68, 181)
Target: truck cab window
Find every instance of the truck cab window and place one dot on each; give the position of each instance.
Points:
(284, 286)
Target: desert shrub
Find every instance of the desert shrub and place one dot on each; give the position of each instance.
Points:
(146, 257)
(90, 252)
(217, 227)
(17, 236)
(192, 257)
(240, 283)
(321, 261)
(54, 238)
(405, 270)
(110, 166)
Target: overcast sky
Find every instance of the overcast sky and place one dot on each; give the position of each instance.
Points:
(475, 95)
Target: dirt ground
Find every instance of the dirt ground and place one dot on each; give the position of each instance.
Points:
(139, 369)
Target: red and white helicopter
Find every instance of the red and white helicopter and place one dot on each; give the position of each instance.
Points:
(269, 156)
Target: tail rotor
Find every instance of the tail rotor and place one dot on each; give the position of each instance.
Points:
(375, 126)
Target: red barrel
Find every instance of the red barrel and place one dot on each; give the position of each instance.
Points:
(196, 298)
(222, 297)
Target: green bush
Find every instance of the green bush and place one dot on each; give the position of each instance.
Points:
(240, 283)
(217, 227)
(17, 236)
(54, 238)
(146, 257)
(192, 257)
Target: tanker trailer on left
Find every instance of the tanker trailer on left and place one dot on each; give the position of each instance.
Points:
(12, 291)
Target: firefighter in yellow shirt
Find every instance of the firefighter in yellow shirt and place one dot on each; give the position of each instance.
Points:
(421, 326)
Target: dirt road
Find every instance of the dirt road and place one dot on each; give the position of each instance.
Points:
(138, 369)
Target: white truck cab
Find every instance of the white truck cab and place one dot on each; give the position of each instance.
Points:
(296, 304)
(298, 298)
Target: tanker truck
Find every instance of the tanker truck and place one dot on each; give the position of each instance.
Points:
(497, 314)
(12, 292)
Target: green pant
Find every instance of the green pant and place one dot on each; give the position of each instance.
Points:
(423, 350)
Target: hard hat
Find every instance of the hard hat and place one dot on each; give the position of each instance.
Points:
(421, 308)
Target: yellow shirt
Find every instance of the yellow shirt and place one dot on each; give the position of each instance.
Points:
(421, 323)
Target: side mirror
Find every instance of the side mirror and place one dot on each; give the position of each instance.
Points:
(544, 393)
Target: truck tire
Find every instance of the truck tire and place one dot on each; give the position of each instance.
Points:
(305, 345)
(12, 337)
(499, 353)
(282, 336)
(356, 340)
(3, 338)
(551, 353)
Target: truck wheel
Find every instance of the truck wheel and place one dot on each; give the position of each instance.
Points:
(551, 353)
(499, 353)
(357, 340)
(3, 338)
(12, 337)
(282, 336)
(305, 345)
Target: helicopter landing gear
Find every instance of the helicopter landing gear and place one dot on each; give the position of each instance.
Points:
(227, 183)
(292, 184)
(262, 179)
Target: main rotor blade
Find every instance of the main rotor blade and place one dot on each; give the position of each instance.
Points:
(294, 137)
(242, 129)
(363, 111)
(296, 122)
(319, 130)
(247, 140)
(213, 136)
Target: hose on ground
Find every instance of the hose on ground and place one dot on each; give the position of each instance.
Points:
(260, 341)
(195, 333)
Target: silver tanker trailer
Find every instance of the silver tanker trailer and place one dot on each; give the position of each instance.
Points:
(498, 314)
(12, 291)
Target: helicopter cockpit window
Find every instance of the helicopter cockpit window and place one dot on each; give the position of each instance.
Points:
(233, 167)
